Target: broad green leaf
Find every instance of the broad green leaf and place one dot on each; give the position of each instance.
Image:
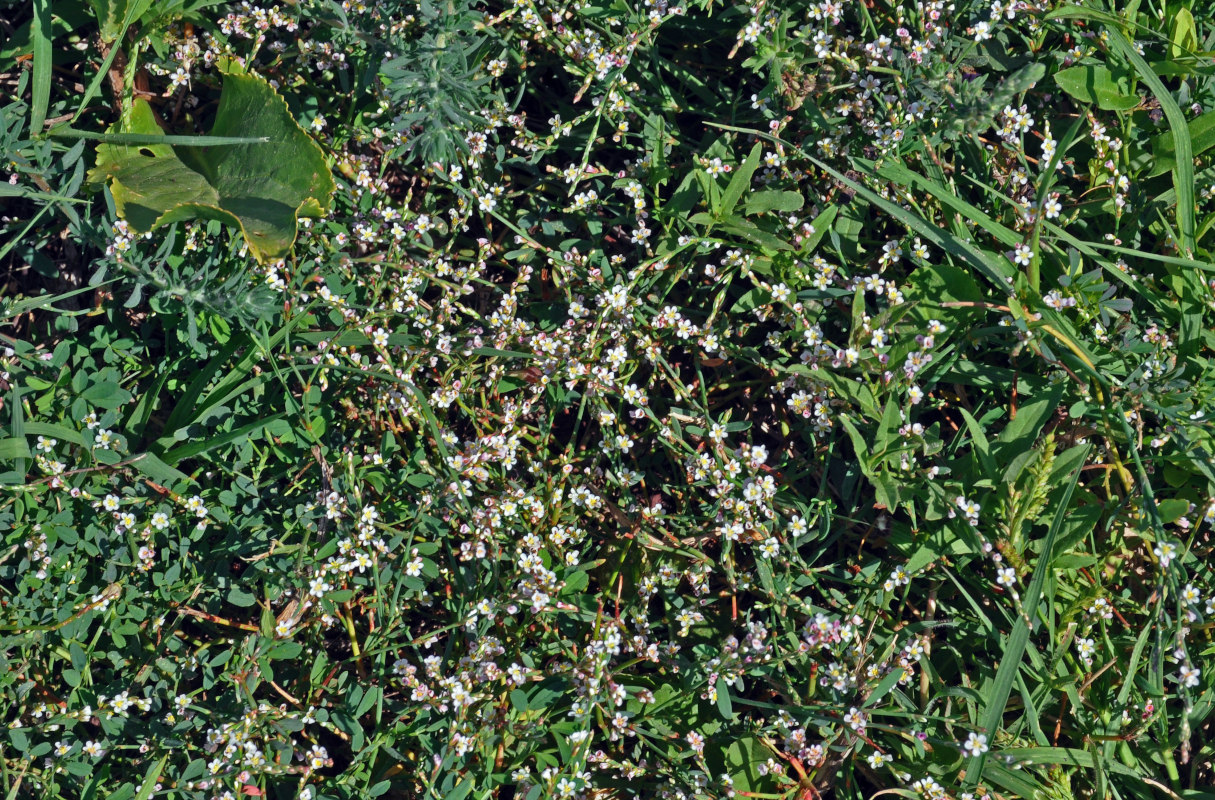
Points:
(941, 283)
(260, 188)
(1183, 36)
(744, 760)
(1020, 434)
(753, 298)
(106, 395)
(772, 201)
(1171, 510)
(1097, 84)
(369, 699)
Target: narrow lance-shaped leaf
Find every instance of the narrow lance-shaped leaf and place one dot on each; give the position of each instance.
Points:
(997, 696)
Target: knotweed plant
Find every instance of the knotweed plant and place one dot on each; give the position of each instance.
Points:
(678, 399)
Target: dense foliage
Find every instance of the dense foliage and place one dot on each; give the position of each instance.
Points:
(605, 399)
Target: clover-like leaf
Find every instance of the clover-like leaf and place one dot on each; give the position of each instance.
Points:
(262, 187)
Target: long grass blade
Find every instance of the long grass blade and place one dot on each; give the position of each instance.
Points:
(1192, 303)
(1006, 675)
(67, 132)
(999, 273)
(40, 35)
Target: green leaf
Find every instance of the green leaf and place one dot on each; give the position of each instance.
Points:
(996, 696)
(903, 176)
(65, 131)
(744, 760)
(1183, 36)
(1183, 174)
(740, 182)
(462, 790)
(40, 33)
(149, 782)
(821, 224)
(885, 685)
(1172, 510)
(197, 448)
(751, 232)
(240, 598)
(772, 201)
(494, 351)
(420, 479)
(260, 188)
(16, 427)
(1193, 298)
(159, 471)
(370, 697)
(752, 299)
(724, 705)
(54, 431)
(996, 270)
(1080, 12)
(106, 395)
(113, 16)
(1020, 434)
(13, 448)
(1098, 84)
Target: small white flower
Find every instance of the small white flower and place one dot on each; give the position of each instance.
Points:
(975, 744)
(877, 759)
(1166, 552)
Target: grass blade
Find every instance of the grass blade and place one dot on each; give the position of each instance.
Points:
(1192, 305)
(1183, 172)
(67, 132)
(996, 271)
(94, 87)
(40, 34)
(1019, 638)
(184, 452)
(897, 173)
